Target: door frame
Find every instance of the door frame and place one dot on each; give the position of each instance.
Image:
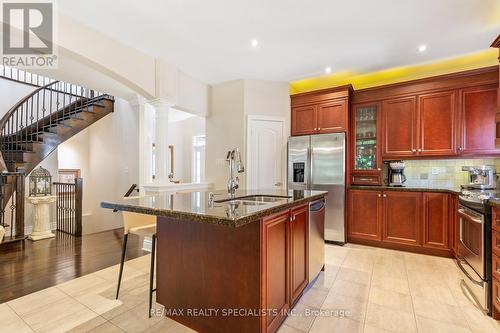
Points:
(284, 163)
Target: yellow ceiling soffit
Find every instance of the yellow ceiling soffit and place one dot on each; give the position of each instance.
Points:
(484, 58)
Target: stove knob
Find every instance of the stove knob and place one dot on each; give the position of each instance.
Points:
(483, 197)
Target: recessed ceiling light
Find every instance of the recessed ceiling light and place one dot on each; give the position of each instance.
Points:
(422, 48)
(254, 43)
(328, 69)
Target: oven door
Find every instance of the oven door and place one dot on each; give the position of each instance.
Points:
(471, 256)
(471, 246)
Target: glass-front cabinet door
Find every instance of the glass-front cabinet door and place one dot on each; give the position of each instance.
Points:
(366, 132)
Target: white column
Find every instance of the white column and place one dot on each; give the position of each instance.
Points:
(41, 217)
(161, 107)
(139, 105)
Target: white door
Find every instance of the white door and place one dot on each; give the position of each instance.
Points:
(266, 154)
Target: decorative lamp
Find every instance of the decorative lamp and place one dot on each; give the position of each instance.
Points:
(40, 182)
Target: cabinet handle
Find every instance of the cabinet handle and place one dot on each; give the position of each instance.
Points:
(461, 148)
(385, 195)
(379, 169)
(319, 128)
(379, 195)
(413, 150)
(419, 150)
(365, 179)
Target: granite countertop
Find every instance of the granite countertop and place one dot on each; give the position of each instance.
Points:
(453, 190)
(195, 206)
(494, 203)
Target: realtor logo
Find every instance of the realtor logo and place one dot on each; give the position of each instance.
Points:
(28, 34)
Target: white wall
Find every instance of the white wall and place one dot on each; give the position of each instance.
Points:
(180, 134)
(225, 129)
(10, 93)
(108, 155)
(231, 104)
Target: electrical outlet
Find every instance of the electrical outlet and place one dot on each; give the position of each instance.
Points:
(435, 171)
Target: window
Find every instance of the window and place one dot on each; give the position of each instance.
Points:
(198, 169)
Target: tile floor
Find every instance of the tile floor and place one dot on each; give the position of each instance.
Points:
(363, 289)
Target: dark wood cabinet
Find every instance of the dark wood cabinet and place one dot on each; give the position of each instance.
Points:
(399, 133)
(275, 259)
(437, 129)
(285, 263)
(304, 120)
(366, 157)
(332, 116)
(477, 120)
(329, 117)
(319, 112)
(435, 220)
(365, 214)
(401, 221)
(299, 241)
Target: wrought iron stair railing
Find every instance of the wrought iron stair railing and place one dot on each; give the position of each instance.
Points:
(33, 128)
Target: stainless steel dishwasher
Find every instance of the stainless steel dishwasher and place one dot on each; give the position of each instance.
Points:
(316, 237)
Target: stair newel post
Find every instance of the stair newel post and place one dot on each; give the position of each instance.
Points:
(19, 204)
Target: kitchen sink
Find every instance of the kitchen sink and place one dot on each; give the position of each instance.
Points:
(243, 202)
(256, 199)
(264, 198)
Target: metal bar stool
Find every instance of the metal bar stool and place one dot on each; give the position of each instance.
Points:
(140, 225)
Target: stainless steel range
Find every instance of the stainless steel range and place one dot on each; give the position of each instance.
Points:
(474, 248)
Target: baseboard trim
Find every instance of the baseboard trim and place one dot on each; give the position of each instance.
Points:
(402, 247)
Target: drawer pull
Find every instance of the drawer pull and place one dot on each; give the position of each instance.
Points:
(365, 179)
(498, 299)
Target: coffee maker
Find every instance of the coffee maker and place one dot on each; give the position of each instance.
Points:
(396, 175)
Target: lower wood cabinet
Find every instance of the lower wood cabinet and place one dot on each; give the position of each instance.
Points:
(435, 220)
(402, 221)
(416, 221)
(365, 214)
(275, 260)
(284, 263)
(299, 245)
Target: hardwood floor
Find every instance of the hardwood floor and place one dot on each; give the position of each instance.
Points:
(37, 265)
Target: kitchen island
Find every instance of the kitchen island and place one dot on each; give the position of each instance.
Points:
(229, 264)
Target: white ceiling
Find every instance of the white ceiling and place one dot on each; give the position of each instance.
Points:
(210, 39)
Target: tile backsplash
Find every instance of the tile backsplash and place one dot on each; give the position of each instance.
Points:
(441, 173)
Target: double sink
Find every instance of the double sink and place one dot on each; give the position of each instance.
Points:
(254, 200)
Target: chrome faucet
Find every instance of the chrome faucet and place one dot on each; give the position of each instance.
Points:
(235, 166)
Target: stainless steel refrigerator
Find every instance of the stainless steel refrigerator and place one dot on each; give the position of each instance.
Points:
(317, 162)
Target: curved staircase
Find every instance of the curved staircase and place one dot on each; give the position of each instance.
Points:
(32, 129)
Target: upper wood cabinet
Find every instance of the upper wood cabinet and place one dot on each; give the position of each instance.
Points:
(477, 120)
(319, 112)
(366, 133)
(496, 43)
(437, 130)
(304, 120)
(332, 116)
(399, 127)
(448, 115)
(299, 243)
